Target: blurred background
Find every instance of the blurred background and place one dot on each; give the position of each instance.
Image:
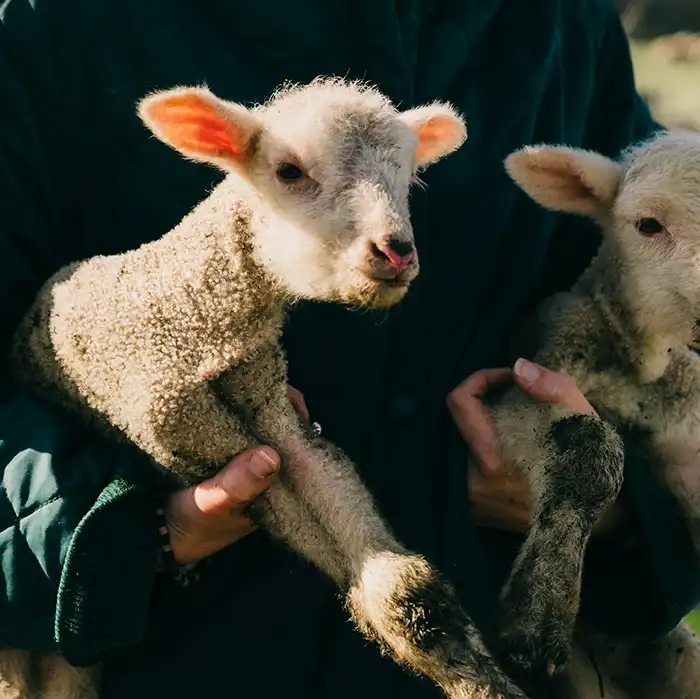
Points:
(665, 40)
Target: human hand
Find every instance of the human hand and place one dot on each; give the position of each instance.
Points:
(500, 498)
(208, 517)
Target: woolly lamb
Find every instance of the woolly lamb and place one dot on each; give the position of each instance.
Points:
(623, 334)
(175, 346)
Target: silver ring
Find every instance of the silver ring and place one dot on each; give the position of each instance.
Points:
(316, 429)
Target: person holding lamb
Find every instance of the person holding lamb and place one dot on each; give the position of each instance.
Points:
(86, 567)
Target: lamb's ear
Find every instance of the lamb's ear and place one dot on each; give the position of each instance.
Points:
(566, 179)
(199, 125)
(440, 131)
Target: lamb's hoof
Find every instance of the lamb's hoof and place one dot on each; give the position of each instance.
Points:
(534, 655)
(536, 624)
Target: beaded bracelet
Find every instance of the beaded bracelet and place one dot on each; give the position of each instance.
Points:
(183, 574)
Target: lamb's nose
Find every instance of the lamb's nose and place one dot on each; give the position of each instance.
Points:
(397, 252)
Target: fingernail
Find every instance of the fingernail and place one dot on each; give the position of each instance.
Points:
(527, 371)
(262, 464)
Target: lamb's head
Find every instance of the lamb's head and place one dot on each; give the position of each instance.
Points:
(330, 165)
(648, 205)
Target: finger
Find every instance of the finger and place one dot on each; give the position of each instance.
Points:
(473, 420)
(238, 484)
(296, 398)
(548, 386)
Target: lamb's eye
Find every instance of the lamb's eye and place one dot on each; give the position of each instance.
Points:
(289, 172)
(649, 226)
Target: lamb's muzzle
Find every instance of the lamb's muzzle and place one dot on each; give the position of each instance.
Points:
(392, 257)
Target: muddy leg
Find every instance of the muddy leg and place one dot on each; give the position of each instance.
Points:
(580, 478)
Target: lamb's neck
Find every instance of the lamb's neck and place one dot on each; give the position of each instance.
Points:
(229, 219)
(645, 349)
(207, 265)
(271, 243)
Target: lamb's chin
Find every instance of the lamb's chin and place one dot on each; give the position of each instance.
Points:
(375, 293)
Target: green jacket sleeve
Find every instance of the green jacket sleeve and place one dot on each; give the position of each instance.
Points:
(647, 583)
(78, 541)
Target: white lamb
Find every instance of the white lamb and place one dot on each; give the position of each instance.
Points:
(175, 346)
(623, 335)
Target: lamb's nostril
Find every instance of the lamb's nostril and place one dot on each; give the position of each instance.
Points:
(400, 247)
(399, 253)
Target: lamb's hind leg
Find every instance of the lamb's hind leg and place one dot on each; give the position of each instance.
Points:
(578, 480)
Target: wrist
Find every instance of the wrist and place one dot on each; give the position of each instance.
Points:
(169, 562)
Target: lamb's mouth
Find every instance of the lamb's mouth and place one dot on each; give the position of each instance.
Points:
(393, 283)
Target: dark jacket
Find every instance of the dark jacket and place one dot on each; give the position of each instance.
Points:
(79, 175)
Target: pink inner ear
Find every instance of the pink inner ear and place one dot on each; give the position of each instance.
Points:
(434, 133)
(193, 124)
(568, 182)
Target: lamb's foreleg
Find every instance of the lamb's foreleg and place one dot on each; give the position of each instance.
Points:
(396, 597)
(204, 429)
(319, 507)
(578, 479)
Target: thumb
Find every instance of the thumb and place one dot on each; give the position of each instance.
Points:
(208, 517)
(546, 386)
(238, 484)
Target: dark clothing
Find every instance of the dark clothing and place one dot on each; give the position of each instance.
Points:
(79, 175)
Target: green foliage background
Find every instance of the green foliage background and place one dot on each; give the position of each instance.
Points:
(672, 86)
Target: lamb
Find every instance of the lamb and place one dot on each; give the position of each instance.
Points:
(622, 334)
(175, 346)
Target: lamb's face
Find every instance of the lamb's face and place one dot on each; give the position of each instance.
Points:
(336, 162)
(332, 163)
(340, 186)
(655, 223)
(649, 207)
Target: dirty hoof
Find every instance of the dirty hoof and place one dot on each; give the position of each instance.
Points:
(534, 657)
